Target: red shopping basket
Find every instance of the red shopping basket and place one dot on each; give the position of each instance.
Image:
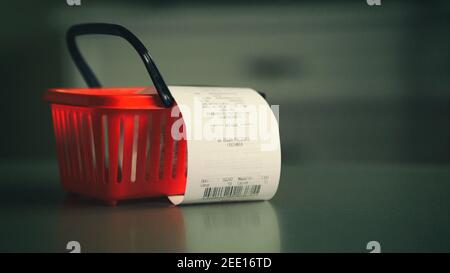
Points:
(116, 143)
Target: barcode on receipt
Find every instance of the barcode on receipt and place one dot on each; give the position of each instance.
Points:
(231, 191)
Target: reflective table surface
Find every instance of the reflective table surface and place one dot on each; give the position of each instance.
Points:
(318, 208)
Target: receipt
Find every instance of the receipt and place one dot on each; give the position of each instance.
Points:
(233, 144)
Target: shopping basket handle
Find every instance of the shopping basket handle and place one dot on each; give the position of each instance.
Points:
(115, 30)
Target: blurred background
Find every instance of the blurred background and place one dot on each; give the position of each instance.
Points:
(364, 95)
(354, 82)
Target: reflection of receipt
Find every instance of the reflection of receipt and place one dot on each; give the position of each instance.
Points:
(245, 227)
(233, 144)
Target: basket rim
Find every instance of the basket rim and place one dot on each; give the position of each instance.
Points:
(106, 97)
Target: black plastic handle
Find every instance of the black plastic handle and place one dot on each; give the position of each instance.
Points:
(115, 30)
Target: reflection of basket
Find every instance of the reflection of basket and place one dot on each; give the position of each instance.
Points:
(155, 228)
(116, 143)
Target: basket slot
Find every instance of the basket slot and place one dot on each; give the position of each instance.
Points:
(59, 143)
(86, 148)
(113, 122)
(81, 147)
(162, 148)
(77, 146)
(153, 155)
(178, 150)
(98, 132)
(78, 159)
(143, 147)
(176, 146)
(93, 162)
(182, 160)
(56, 129)
(130, 126)
(64, 142)
(71, 146)
(120, 151)
(168, 149)
(105, 135)
(134, 148)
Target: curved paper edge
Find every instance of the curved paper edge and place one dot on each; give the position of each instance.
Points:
(176, 199)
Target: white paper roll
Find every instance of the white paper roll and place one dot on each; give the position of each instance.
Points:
(233, 144)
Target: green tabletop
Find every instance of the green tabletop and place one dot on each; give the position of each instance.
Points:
(320, 207)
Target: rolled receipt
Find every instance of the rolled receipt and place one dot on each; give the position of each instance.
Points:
(233, 144)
